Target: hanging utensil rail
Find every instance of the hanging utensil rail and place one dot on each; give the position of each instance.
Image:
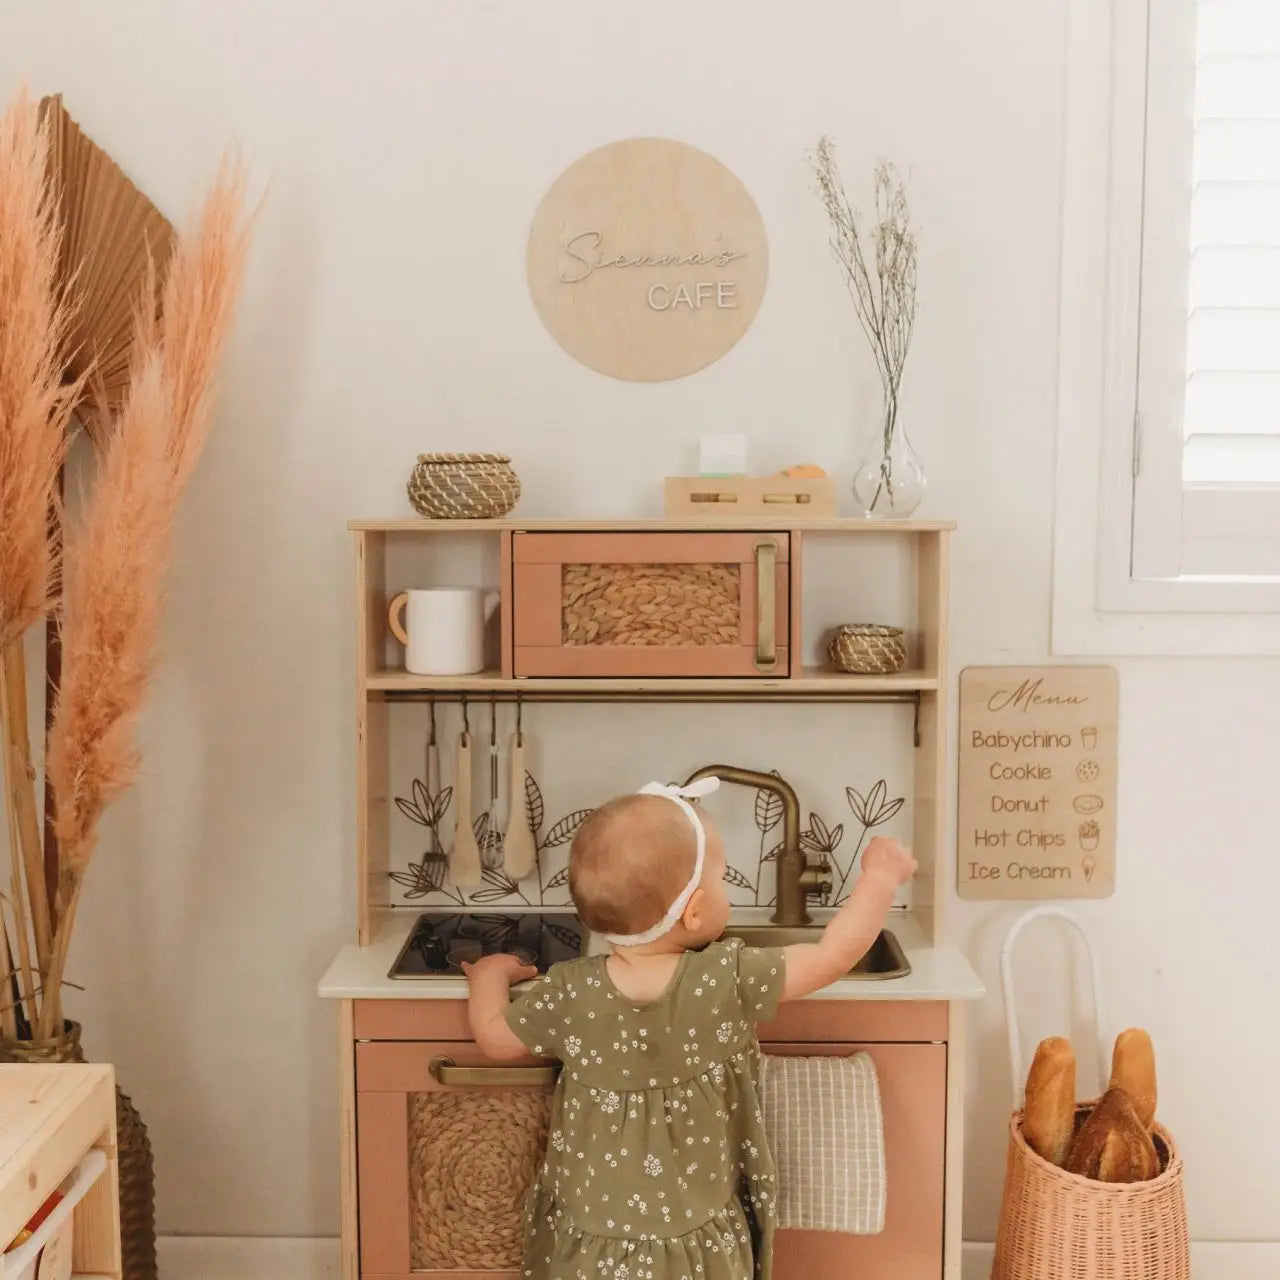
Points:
(815, 697)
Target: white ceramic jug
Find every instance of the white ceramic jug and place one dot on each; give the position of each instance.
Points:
(443, 632)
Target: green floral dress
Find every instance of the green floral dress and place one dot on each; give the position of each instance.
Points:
(657, 1166)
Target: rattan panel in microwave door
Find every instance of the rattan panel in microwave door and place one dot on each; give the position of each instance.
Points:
(472, 1160)
(672, 605)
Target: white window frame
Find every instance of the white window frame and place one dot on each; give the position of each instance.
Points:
(1100, 604)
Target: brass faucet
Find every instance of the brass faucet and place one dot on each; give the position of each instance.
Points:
(797, 880)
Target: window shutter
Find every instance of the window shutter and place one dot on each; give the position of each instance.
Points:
(1232, 406)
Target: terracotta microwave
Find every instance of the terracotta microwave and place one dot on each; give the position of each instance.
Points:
(646, 605)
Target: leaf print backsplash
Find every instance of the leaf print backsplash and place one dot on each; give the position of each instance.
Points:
(819, 838)
(427, 878)
(752, 824)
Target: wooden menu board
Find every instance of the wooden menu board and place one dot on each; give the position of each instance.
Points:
(1037, 810)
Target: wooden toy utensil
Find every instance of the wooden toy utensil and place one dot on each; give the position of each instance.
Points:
(433, 778)
(464, 856)
(491, 850)
(519, 843)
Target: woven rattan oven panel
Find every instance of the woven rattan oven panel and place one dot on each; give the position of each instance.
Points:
(673, 605)
(472, 1160)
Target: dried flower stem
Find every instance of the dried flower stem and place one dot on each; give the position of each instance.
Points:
(885, 303)
(114, 588)
(35, 407)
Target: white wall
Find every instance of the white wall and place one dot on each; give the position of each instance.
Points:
(406, 144)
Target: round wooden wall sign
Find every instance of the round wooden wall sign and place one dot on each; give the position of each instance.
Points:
(647, 260)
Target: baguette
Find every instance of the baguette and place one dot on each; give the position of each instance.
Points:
(1048, 1117)
(1113, 1145)
(1133, 1069)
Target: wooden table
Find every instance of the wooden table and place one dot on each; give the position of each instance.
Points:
(51, 1117)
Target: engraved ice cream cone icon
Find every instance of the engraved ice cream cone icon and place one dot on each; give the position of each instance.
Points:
(1088, 865)
(1089, 833)
(1089, 738)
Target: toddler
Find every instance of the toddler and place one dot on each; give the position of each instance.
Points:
(657, 1166)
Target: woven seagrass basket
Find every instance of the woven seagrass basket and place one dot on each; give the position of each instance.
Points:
(463, 486)
(867, 649)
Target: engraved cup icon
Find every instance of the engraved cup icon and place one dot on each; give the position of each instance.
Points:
(1089, 833)
(1089, 738)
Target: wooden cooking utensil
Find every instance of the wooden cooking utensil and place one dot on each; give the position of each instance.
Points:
(433, 778)
(464, 855)
(519, 843)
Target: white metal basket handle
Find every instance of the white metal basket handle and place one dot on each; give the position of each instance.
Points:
(1010, 1004)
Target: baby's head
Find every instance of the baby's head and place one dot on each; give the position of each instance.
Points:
(630, 861)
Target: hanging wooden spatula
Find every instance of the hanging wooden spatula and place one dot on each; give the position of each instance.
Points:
(519, 844)
(464, 855)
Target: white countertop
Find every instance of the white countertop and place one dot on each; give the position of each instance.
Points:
(937, 973)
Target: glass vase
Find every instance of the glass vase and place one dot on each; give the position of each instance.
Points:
(889, 480)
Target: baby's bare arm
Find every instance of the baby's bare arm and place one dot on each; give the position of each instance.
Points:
(813, 965)
(489, 983)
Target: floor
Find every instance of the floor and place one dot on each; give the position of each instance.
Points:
(191, 1258)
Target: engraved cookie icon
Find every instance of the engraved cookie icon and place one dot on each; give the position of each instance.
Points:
(1088, 770)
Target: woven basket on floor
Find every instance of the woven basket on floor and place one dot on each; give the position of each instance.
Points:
(472, 1158)
(867, 649)
(463, 486)
(133, 1148)
(1056, 1225)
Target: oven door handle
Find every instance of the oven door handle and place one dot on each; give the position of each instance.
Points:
(446, 1071)
(766, 606)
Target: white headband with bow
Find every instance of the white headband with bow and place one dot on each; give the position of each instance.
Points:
(680, 796)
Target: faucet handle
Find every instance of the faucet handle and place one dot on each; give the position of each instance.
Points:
(816, 880)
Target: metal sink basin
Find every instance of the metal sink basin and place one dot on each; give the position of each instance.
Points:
(885, 960)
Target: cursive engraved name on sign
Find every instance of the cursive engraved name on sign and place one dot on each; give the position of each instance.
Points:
(588, 255)
(647, 259)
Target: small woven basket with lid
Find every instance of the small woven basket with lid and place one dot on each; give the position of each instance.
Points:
(867, 649)
(463, 486)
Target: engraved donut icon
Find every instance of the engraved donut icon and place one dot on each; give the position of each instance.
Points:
(1087, 804)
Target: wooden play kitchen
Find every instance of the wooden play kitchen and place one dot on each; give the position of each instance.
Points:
(437, 1143)
(59, 1207)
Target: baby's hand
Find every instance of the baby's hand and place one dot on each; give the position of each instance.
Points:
(510, 969)
(889, 860)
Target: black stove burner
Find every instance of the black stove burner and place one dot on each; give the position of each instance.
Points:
(440, 942)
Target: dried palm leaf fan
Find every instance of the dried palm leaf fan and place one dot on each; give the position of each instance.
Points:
(115, 243)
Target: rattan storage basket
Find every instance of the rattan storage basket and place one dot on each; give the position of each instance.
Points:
(463, 486)
(1056, 1225)
(867, 649)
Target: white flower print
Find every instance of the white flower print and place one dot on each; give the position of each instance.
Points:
(557, 1140)
(653, 1166)
(610, 1103)
(724, 1032)
(572, 1046)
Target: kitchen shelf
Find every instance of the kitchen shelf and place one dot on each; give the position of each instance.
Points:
(894, 570)
(846, 525)
(814, 681)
